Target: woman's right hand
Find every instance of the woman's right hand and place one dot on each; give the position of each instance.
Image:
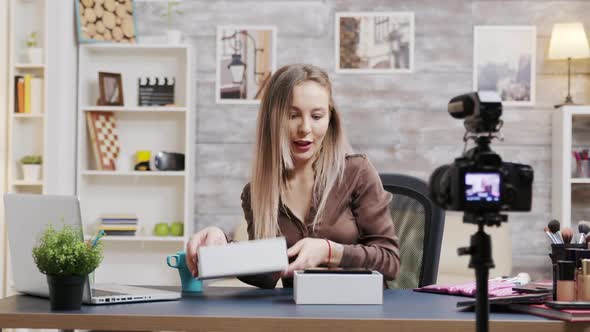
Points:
(206, 237)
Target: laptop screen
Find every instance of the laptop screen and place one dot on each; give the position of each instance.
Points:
(27, 216)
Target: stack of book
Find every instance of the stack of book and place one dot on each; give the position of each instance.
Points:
(28, 94)
(118, 224)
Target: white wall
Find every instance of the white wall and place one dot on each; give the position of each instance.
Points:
(454, 269)
(3, 132)
(61, 98)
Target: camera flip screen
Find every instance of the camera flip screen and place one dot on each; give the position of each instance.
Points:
(482, 187)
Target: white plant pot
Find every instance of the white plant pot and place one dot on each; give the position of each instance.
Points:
(35, 55)
(31, 172)
(174, 36)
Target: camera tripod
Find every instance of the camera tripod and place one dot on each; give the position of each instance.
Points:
(481, 260)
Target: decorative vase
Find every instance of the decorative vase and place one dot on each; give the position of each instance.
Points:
(174, 36)
(65, 292)
(35, 55)
(31, 172)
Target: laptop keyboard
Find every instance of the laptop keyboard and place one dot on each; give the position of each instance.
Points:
(100, 292)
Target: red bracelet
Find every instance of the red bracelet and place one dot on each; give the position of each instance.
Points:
(329, 251)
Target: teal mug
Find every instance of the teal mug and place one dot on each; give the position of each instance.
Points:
(189, 284)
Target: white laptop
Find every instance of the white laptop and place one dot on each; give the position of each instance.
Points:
(27, 216)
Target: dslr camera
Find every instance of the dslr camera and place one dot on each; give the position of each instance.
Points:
(479, 182)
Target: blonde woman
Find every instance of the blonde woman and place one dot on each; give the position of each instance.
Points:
(331, 207)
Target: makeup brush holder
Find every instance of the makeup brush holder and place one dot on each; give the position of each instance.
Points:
(582, 169)
(560, 252)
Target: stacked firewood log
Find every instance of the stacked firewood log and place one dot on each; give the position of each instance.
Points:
(107, 20)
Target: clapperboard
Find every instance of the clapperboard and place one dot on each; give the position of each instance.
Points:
(156, 91)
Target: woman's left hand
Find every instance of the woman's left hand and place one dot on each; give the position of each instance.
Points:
(310, 252)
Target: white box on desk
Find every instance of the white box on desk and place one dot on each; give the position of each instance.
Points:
(335, 288)
(243, 258)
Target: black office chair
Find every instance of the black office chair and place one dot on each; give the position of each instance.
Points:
(419, 225)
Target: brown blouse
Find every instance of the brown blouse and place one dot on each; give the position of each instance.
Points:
(357, 216)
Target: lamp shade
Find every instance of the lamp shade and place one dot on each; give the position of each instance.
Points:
(237, 67)
(568, 40)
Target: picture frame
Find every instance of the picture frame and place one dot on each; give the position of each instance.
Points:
(374, 42)
(110, 89)
(108, 21)
(504, 60)
(245, 61)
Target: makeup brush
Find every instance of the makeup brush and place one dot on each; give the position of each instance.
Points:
(554, 226)
(583, 228)
(551, 237)
(567, 234)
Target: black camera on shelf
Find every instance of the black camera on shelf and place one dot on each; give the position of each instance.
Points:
(479, 182)
(169, 161)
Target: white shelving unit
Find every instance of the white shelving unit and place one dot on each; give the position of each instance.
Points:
(154, 196)
(179, 239)
(27, 134)
(149, 109)
(571, 193)
(133, 173)
(29, 66)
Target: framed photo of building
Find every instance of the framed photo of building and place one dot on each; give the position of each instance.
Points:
(246, 59)
(374, 42)
(504, 59)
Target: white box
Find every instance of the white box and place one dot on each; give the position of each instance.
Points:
(334, 288)
(243, 258)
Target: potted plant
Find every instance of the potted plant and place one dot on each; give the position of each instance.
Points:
(66, 260)
(174, 35)
(34, 52)
(31, 166)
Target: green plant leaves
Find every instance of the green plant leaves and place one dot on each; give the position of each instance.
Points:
(63, 252)
(32, 40)
(31, 160)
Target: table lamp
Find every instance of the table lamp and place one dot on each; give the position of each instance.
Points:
(568, 41)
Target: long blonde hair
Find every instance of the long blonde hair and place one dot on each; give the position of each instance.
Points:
(272, 158)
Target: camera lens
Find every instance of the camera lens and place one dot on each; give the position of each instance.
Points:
(439, 185)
